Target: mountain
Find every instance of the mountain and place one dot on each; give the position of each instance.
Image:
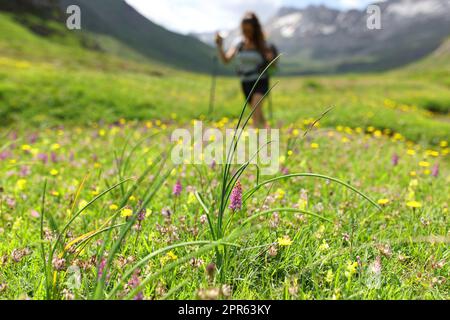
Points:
(318, 39)
(121, 22)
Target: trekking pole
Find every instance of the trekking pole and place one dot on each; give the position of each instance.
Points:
(212, 95)
(270, 107)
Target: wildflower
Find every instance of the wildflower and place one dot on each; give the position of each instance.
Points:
(226, 290)
(435, 170)
(43, 157)
(127, 212)
(345, 237)
(375, 267)
(26, 147)
(324, 246)
(211, 269)
(319, 233)
(273, 251)
(101, 269)
(395, 159)
(142, 214)
(411, 152)
(293, 288)
(203, 219)
(383, 202)
(385, 250)
(54, 172)
(196, 263)
(284, 241)
(236, 197)
(177, 189)
(329, 276)
(351, 269)
(20, 184)
(444, 144)
(59, 264)
(209, 294)
(133, 283)
(53, 157)
(68, 295)
(18, 254)
(303, 201)
(166, 213)
(424, 164)
(414, 204)
(191, 198)
(170, 256)
(24, 171)
(35, 214)
(113, 207)
(280, 193)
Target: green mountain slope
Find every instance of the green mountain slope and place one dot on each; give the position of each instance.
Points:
(117, 19)
(69, 49)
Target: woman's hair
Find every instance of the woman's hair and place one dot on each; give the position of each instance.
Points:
(258, 37)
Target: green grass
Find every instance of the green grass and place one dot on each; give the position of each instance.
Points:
(416, 239)
(103, 122)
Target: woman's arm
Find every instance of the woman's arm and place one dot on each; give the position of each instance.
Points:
(226, 57)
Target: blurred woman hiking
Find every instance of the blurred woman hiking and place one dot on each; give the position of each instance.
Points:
(253, 55)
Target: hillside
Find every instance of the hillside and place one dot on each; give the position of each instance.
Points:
(70, 50)
(115, 18)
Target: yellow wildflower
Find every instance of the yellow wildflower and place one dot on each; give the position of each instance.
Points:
(126, 213)
(26, 147)
(284, 241)
(383, 202)
(324, 246)
(424, 164)
(113, 207)
(330, 276)
(54, 172)
(314, 145)
(20, 184)
(191, 198)
(414, 204)
(280, 193)
(351, 269)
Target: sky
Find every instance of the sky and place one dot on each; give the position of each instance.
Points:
(187, 16)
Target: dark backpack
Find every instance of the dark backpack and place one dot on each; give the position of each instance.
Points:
(273, 68)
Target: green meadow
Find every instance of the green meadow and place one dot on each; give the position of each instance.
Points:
(91, 206)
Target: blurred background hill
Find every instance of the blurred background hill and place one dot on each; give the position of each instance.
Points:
(318, 39)
(315, 39)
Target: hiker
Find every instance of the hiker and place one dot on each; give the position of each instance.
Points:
(252, 54)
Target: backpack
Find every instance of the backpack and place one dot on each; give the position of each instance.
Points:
(273, 68)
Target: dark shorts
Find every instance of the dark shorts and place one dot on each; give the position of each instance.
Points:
(262, 87)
